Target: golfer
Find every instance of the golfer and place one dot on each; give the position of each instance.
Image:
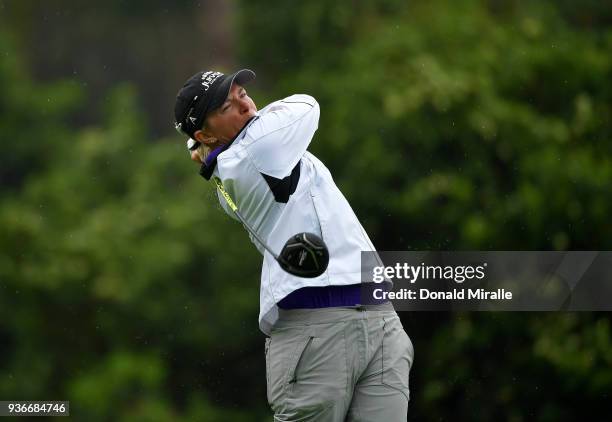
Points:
(331, 355)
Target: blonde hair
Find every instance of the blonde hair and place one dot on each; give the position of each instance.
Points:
(203, 151)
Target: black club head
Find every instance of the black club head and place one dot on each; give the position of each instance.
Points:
(304, 255)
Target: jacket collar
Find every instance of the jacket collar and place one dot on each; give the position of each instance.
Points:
(208, 166)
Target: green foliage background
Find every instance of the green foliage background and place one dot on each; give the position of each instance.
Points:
(448, 125)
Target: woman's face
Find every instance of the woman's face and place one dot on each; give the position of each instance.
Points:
(225, 122)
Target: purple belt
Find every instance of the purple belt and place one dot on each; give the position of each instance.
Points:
(328, 296)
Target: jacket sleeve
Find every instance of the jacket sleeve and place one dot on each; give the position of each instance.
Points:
(284, 133)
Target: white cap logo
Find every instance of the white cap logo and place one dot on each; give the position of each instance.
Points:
(208, 78)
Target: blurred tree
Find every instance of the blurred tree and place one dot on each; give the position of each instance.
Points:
(155, 45)
(31, 118)
(448, 125)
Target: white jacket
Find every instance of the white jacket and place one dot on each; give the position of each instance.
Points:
(281, 189)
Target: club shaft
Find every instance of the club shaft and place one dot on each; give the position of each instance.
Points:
(255, 235)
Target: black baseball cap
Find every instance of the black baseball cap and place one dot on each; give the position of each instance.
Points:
(202, 93)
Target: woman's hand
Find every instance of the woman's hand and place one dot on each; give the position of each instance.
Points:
(197, 156)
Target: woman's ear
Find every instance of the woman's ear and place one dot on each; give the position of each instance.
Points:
(204, 138)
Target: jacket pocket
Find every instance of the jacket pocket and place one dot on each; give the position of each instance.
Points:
(319, 217)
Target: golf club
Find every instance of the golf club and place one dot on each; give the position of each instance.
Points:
(304, 254)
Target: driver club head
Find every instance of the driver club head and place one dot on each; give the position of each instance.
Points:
(304, 255)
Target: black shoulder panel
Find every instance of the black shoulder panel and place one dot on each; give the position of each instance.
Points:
(283, 188)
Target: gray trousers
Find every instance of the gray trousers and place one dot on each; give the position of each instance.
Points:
(339, 364)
